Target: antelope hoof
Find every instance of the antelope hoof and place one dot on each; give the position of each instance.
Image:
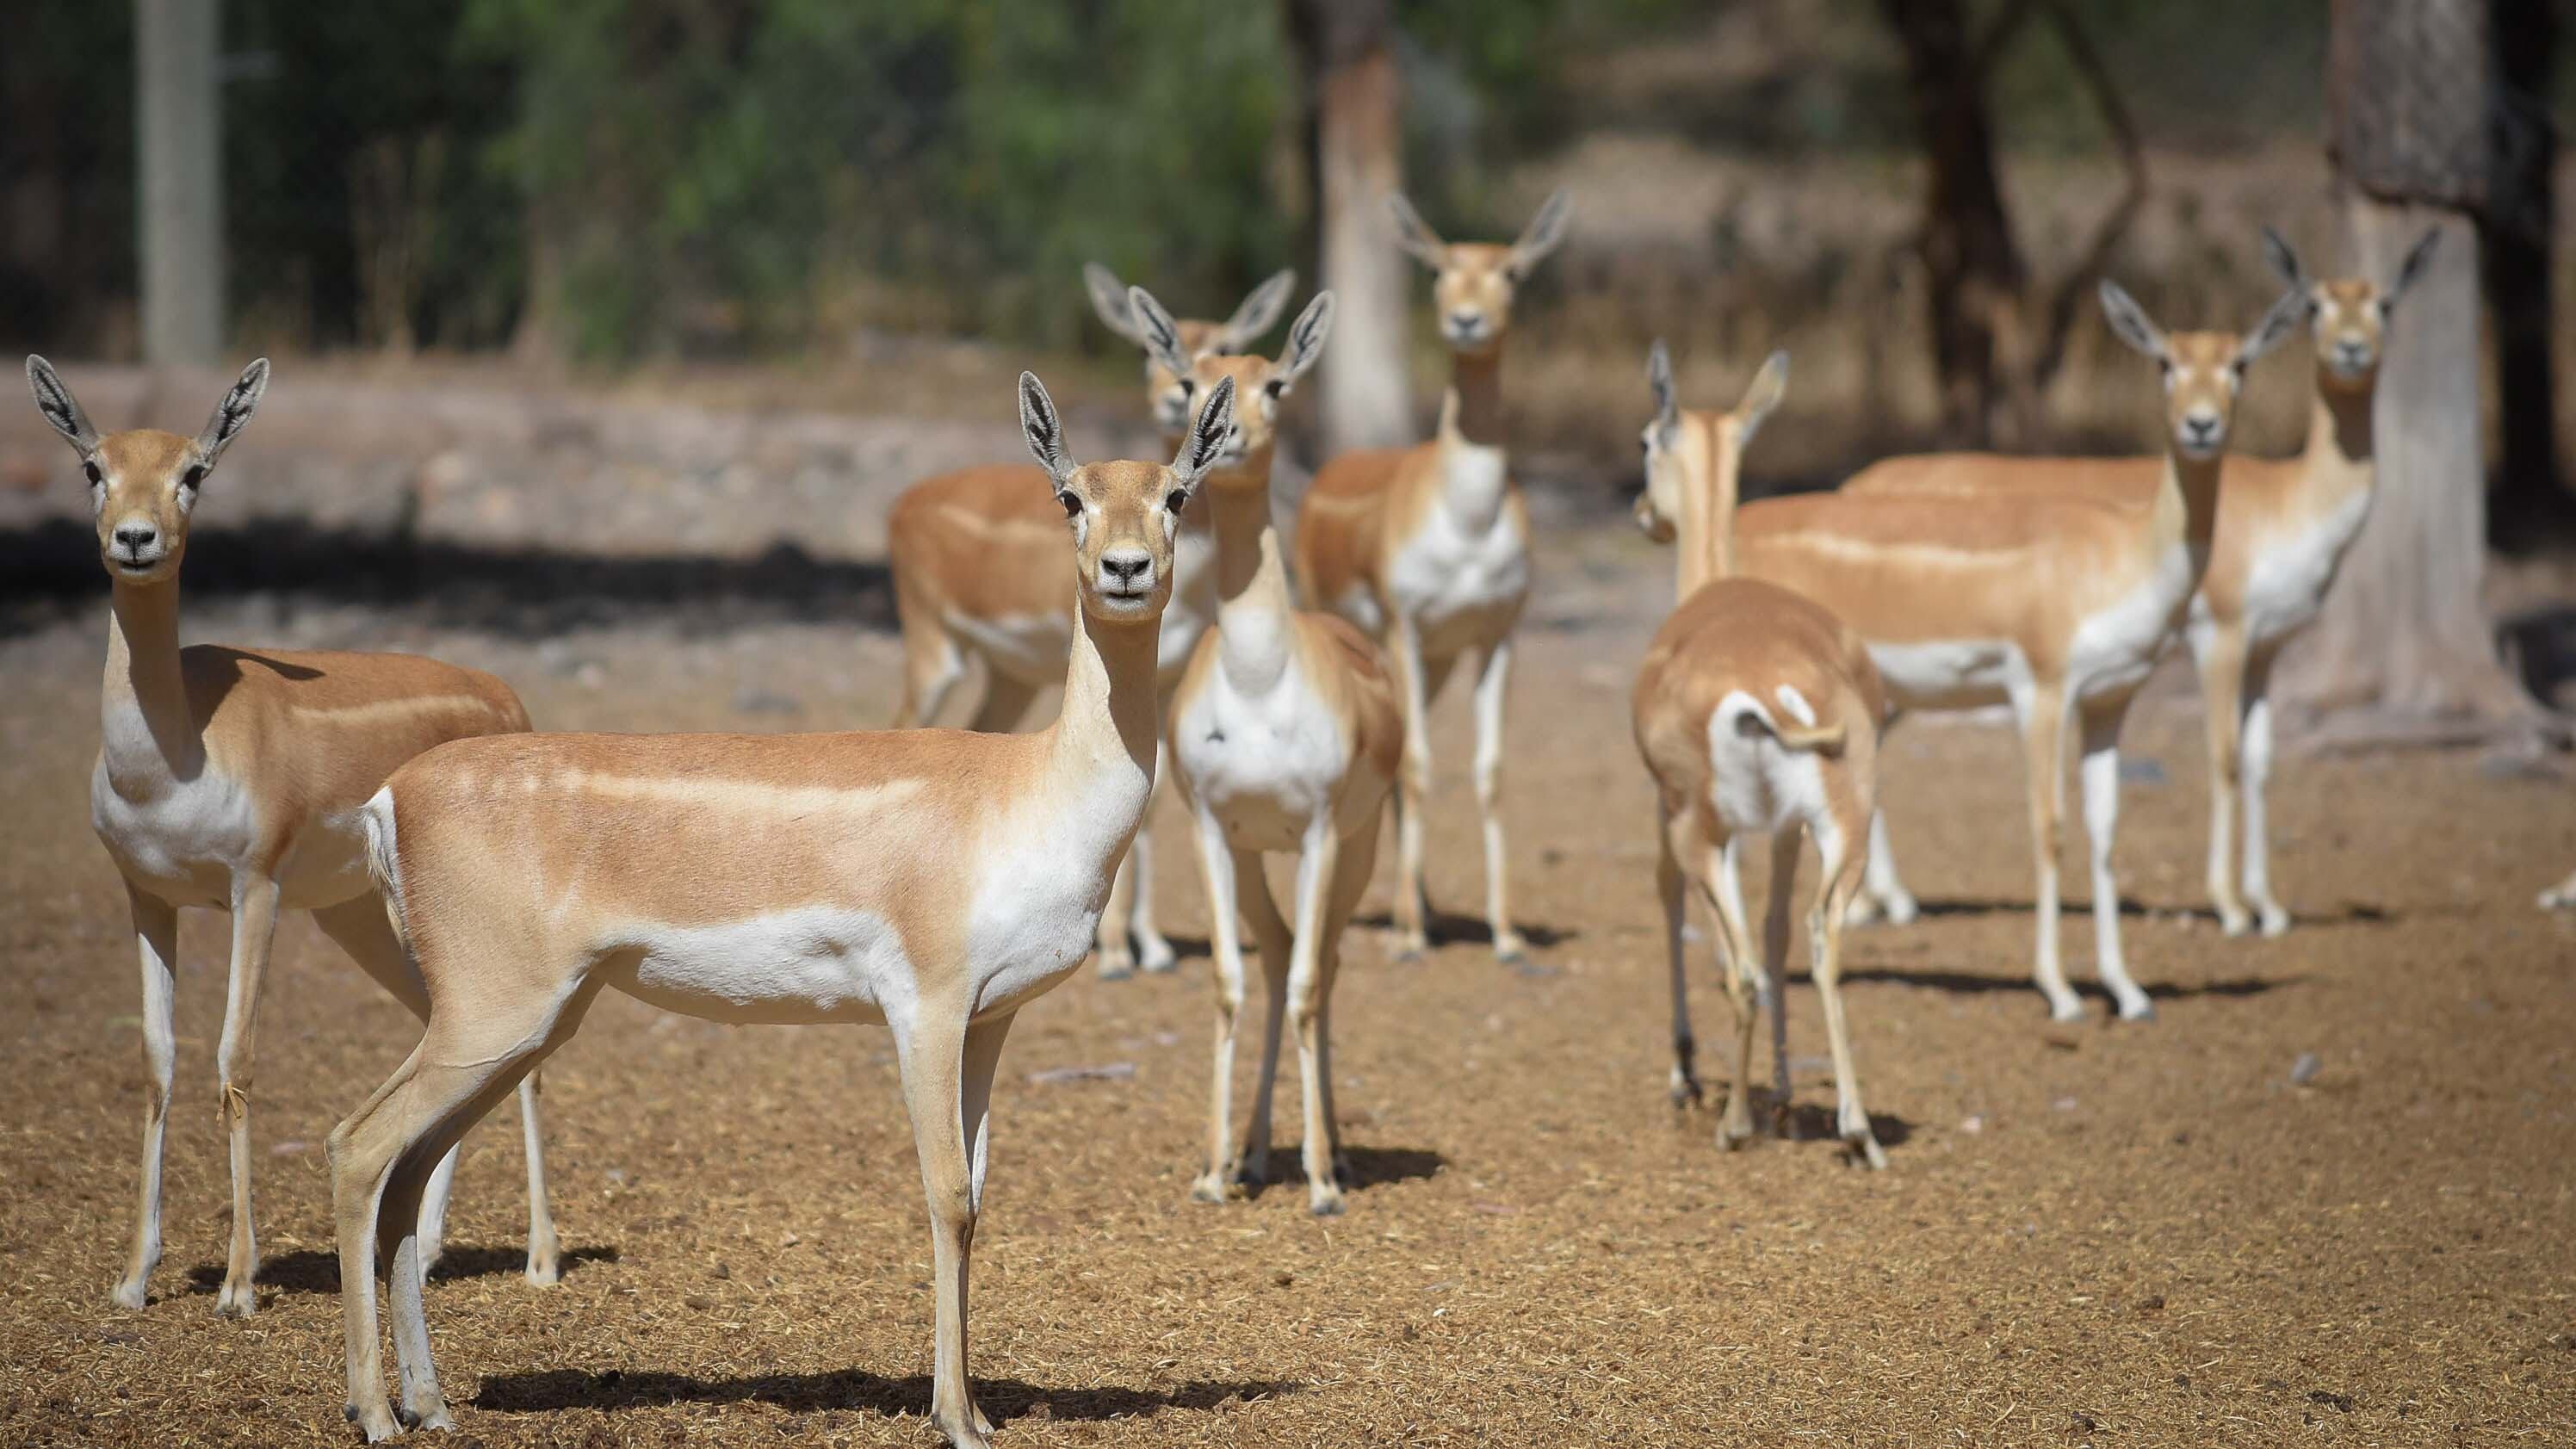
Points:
(1158, 956)
(2138, 1009)
(544, 1272)
(2232, 921)
(1865, 1152)
(131, 1293)
(965, 1431)
(2276, 922)
(434, 1417)
(1116, 968)
(235, 1301)
(2065, 1008)
(1325, 1201)
(376, 1422)
(1684, 1092)
(1208, 1188)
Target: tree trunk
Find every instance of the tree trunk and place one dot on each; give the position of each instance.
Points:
(1354, 107)
(2404, 635)
(1974, 270)
(179, 179)
(2530, 507)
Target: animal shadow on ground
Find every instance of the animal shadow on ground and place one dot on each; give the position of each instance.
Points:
(308, 1270)
(2352, 913)
(1448, 928)
(1370, 1167)
(1808, 1121)
(1002, 1399)
(1970, 984)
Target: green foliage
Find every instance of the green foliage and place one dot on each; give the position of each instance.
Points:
(719, 175)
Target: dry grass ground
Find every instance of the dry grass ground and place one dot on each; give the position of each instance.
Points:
(2122, 1235)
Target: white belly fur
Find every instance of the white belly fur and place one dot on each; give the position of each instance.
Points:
(1951, 674)
(186, 843)
(1263, 765)
(2289, 581)
(2116, 647)
(1463, 585)
(816, 963)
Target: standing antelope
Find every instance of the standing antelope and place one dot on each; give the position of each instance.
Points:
(1756, 711)
(2283, 527)
(932, 880)
(1427, 547)
(1286, 735)
(980, 570)
(2056, 600)
(220, 773)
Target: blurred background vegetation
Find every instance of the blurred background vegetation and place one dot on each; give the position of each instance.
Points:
(622, 183)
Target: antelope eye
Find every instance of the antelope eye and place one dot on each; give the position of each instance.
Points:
(195, 475)
(96, 478)
(1179, 500)
(1072, 505)
(1276, 387)
(1188, 387)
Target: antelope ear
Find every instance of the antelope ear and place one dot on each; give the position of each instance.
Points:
(1259, 311)
(1158, 333)
(2130, 322)
(2418, 257)
(1545, 233)
(233, 413)
(1764, 393)
(60, 408)
(1207, 434)
(1659, 381)
(2283, 261)
(1415, 235)
(1044, 430)
(1109, 300)
(2285, 318)
(1305, 342)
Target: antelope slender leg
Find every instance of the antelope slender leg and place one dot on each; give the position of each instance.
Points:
(2101, 725)
(1493, 682)
(1315, 875)
(1217, 865)
(1271, 936)
(1412, 787)
(2220, 654)
(156, 940)
(2258, 780)
(1787, 843)
(254, 909)
(1672, 829)
(2042, 710)
(1841, 880)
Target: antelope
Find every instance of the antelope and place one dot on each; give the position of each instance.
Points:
(1286, 735)
(980, 572)
(1427, 548)
(220, 772)
(2056, 601)
(935, 881)
(2283, 528)
(1756, 711)
(2561, 896)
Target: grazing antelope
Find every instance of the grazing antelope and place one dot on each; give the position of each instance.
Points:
(220, 773)
(980, 570)
(2283, 527)
(1427, 547)
(932, 880)
(1286, 735)
(1756, 711)
(2057, 601)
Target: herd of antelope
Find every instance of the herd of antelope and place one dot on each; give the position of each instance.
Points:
(495, 879)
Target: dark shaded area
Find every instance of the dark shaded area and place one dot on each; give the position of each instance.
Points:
(51, 571)
(1369, 1167)
(1001, 1399)
(2129, 906)
(309, 1270)
(1448, 928)
(1971, 984)
(2540, 646)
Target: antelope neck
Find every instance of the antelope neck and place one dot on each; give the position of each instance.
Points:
(2340, 443)
(146, 730)
(1708, 513)
(1254, 607)
(1109, 716)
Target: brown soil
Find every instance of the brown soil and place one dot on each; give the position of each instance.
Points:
(2108, 1233)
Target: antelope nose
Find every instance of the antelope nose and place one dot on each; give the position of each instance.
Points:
(1465, 321)
(134, 538)
(1129, 570)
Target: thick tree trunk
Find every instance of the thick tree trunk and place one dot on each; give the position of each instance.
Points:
(179, 179)
(2530, 507)
(2405, 640)
(1974, 271)
(1355, 108)
(2404, 631)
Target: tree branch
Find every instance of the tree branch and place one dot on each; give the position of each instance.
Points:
(2078, 281)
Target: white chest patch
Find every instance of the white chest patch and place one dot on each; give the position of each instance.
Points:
(1264, 764)
(809, 964)
(1031, 648)
(1951, 674)
(2290, 579)
(2117, 646)
(1192, 611)
(1465, 573)
(1040, 890)
(185, 840)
